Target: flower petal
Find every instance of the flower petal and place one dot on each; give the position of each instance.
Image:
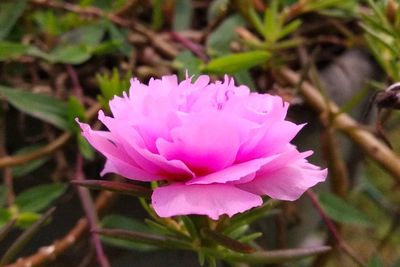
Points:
(212, 200)
(286, 183)
(152, 163)
(206, 142)
(117, 160)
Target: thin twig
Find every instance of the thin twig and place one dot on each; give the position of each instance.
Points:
(193, 47)
(50, 253)
(385, 157)
(50, 148)
(335, 233)
(158, 42)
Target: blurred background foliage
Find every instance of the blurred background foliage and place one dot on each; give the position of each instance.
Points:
(61, 60)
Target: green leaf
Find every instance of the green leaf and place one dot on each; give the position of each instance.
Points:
(90, 35)
(267, 257)
(75, 110)
(157, 16)
(5, 216)
(243, 77)
(244, 219)
(236, 62)
(218, 42)
(10, 12)
(119, 37)
(24, 238)
(69, 54)
(39, 106)
(272, 22)
(39, 197)
(122, 222)
(375, 261)
(85, 148)
(289, 28)
(182, 15)
(24, 169)
(340, 211)
(186, 61)
(10, 50)
(26, 219)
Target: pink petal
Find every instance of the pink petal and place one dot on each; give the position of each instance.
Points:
(269, 139)
(245, 171)
(206, 143)
(117, 160)
(211, 200)
(232, 173)
(152, 163)
(287, 183)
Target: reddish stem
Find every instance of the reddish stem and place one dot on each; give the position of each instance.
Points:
(91, 214)
(193, 47)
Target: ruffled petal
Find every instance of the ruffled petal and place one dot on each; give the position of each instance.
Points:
(211, 200)
(269, 139)
(286, 183)
(134, 146)
(206, 142)
(117, 160)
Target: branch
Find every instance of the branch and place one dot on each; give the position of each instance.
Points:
(50, 253)
(50, 148)
(378, 151)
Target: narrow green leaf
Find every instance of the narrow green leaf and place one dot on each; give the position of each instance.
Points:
(218, 42)
(5, 216)
(85, 148)
(226, 241)
(146, 238)
(10, 50)
(10, 12)
(75, 110)
(268, 257)
(340, 211)
(190, 227)
(375, 261)
(122, 188)
(26, 219)
(24, 169)
(24, 238)
(39, 197)
(186, 61)
(69, 54)
(119, 37)
(157, 16)
(182, 15)
(272, 23)
(122, 222)
(250, 237)
(236, 62)
(255, 20)
(289, 28)
(251, 216)
(39, 106)
(90, 35)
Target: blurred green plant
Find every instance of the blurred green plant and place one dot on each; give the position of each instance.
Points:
(382, 32)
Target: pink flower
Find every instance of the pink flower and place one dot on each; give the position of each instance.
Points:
(216, 148)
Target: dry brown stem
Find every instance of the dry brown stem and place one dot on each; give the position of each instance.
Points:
(50, 253)
(373, 147)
